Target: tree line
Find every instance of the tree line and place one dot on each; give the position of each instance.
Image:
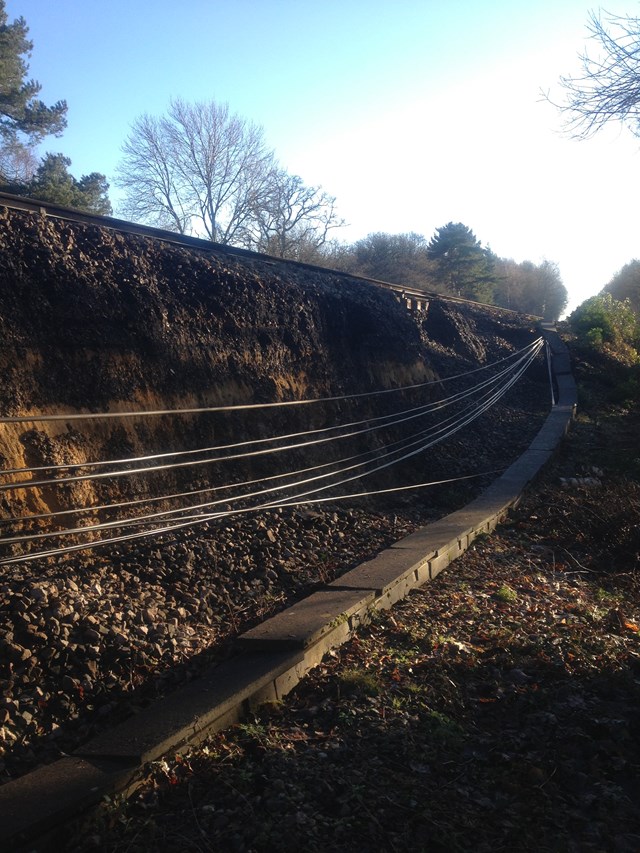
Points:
(200, 169)
(455, 262)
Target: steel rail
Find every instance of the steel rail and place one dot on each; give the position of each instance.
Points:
(69, 214)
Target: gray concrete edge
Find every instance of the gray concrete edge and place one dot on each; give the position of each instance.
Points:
(113, 762)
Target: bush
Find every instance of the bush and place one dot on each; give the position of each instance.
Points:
(606, 323)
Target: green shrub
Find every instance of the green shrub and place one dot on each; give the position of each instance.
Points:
(604, 322)
(595, 337)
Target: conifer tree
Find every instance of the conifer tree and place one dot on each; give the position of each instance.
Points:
(464, 267)
(53, 182)
(24, 119)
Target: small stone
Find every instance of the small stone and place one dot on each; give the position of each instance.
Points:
(16, 653)
(517, 676)
(39, 595)
(69, 684)
(148, 615)
(92, 635)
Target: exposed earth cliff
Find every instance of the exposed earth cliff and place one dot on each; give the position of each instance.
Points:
(91, 320)
(94, 321)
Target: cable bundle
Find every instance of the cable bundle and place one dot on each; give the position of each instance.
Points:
(285, 489)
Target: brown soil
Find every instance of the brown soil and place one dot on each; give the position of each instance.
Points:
(91, 320)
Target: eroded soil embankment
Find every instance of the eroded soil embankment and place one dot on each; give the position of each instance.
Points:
(91, 320)
(94, 321)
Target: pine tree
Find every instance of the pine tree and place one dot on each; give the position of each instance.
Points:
(53, 182)
(24, 118)
(464, 267)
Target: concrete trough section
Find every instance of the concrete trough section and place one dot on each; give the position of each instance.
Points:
(215, 700)
(324, 617)
(274, 656)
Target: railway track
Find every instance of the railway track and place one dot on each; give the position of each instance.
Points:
(414, 298)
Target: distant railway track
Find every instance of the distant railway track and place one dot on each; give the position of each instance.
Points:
(413, 297)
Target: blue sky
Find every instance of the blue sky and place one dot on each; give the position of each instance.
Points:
(411, 113)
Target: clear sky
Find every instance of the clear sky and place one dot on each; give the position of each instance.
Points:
(413, 113)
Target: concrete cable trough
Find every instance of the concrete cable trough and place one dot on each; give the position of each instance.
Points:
(274, 656)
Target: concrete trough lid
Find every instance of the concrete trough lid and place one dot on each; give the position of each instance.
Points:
(306, 622)
(438, 536)
(561, 363)
(567, 389)
(556, 344)
(552, 431)
(409, 558)
(526, 467)
(53, 793)
(385, 571)
(180, 716)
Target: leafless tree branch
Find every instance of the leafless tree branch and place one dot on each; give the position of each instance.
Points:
(609, 87)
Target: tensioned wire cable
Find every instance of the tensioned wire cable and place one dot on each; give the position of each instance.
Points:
(201, 518)
(94, 508)
(191, 493)
(403, 444)
(179, 513)
(87, 547)
(414, 413)
(426, 407)
(328, 499)
(434, 433)
(474, 414)
(433, 406)
(392, 420)
(244, 406)
(287, 501)
(548, 354)
(150, 499)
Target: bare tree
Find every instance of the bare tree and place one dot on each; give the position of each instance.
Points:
(18, 163)
(293, 220)
(400, 258)
(146, 176)
(197, 170)
(609, 87)
(530, 288)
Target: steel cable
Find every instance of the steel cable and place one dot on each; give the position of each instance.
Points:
(66, 466)
(239, 407)
(411, 414)
(287, 501)
(280, 476)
